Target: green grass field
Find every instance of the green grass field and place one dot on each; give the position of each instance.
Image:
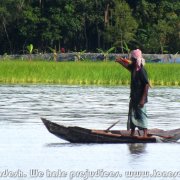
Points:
(95, 73)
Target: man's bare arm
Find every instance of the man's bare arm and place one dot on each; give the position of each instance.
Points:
(123, 62)
(145, 94)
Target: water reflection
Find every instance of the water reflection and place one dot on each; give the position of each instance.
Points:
(63, 144)
(137, 148)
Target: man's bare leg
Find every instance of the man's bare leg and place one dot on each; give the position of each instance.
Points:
(145, 132)
(132, 132)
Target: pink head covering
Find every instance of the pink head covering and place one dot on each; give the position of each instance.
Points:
(137, 54)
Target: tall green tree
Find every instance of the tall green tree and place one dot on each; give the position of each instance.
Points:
(152, 25)
(123, 26)
(159, 21)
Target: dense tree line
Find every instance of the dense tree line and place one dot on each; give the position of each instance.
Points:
(152, 25)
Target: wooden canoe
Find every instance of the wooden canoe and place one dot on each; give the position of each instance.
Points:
(76, 134)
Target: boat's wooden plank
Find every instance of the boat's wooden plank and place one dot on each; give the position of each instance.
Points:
(105, 133)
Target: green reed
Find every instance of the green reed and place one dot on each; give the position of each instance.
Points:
(95, 73)
(164, 74)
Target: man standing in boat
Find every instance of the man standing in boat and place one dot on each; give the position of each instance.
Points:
(139, 91)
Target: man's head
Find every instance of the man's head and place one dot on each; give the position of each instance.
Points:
(136, 57)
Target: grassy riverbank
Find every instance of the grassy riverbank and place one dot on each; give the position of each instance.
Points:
(97, 73)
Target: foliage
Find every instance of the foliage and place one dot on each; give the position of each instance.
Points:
(153, 26)
(159, 21)
(5, 56)
(106, 53)
(174, 56)
(79, 55)
(55, 53)
(125, 25)
(30, 50)
(126, 48)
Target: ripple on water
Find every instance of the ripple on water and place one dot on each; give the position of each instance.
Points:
(26, 144)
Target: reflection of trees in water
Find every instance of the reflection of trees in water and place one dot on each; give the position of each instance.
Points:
(137, 148)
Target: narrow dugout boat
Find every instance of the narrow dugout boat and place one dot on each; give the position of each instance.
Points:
(75, 134)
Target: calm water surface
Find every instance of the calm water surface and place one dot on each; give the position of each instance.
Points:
(28, 149)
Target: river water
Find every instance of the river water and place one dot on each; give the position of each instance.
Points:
(29, 151)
